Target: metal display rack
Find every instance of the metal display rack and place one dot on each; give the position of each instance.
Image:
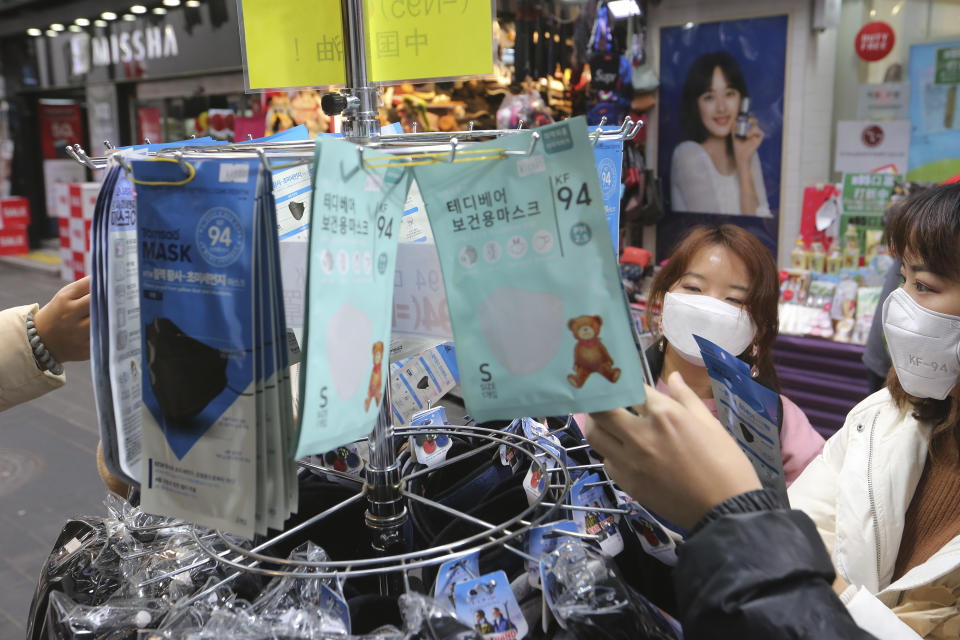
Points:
(384, 487)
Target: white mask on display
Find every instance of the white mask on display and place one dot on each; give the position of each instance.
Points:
(685, 315)
(924, 346)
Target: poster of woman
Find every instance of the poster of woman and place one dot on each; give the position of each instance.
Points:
(721, 124)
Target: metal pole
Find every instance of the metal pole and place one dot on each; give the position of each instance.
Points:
(360, 116)
(387, 511)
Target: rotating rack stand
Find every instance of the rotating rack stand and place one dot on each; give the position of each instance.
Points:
(384, 487)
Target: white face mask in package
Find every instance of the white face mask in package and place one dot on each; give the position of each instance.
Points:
(217, 418)
(353, 247)
(531, 277)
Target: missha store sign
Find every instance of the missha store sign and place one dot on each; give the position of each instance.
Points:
(139, 45)
(184, 41)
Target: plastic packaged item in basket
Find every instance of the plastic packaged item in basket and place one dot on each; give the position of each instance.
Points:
(488, 604)
(589, 598)
(357, 203)
(197, 285)
(532, 284)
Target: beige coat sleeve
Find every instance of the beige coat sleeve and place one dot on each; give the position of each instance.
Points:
(20, 378)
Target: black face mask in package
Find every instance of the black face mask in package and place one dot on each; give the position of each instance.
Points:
(213, 431)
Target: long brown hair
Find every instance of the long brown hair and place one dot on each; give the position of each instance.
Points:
(927, 225)
(762, 294)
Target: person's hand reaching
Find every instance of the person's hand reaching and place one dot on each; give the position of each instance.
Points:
(675, 458)
(63, 324)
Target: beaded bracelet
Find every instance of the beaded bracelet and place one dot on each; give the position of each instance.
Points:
(44, 360)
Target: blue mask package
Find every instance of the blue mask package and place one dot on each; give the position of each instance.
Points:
(608, 155)
(531, 278)
(357, 204)
(197, 284)
(749, 411)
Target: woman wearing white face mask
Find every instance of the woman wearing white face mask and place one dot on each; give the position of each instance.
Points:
(885, 493)
(721, 284)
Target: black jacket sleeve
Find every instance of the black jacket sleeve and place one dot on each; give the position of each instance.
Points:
(764, 574)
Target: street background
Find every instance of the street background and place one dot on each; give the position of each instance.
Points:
(48, 466)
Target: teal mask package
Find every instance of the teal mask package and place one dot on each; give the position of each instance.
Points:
(531, 278)
(197, 285)
(357, 205)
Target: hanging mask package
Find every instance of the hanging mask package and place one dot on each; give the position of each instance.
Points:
(593, 516)
(212, 327)
(418, 382)
(100, 337)
(531, 277)
(749, 411)
(357, 204)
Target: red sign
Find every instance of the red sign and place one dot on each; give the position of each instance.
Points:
(149, 121)
(875, 41)
(60, 125)
(15, 213)
(13, 242)
(872, 136)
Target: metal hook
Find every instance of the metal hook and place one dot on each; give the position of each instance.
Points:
(596, 136)
(147, 141)
(360, 152)
(263, 158)
(182, 162)
(470, 128)
(414, 125)
(453, 148)
(107, 145)
(520, 125)
(635, 131)
(534, 139)
(250, 136)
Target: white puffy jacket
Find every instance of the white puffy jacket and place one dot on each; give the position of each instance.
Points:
(857, 491)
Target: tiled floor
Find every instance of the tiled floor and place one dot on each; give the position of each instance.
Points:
(47, 464)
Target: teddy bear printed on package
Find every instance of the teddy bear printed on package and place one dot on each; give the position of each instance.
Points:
(589, 354)
(375, 392)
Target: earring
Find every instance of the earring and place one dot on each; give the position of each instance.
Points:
(754, 371)
(662, 344)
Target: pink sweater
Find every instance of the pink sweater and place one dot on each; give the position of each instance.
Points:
(799, 442)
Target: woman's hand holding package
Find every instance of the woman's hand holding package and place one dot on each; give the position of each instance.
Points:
(675, 457)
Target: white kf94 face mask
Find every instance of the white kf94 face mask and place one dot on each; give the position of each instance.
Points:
(924, 346)
(686, 315)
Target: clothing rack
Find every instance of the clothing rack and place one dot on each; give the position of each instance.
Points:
(384, 484)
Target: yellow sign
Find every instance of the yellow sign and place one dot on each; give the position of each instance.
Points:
(298, 43)
(293, 43)
(413, 39)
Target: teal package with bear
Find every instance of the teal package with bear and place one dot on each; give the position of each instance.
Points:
(531, 277)
(355, 222)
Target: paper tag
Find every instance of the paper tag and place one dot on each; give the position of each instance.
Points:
(234, 172)
(452, 573)
(487, 604)
(345, 459)
(542, 540)
(654, 538)
(431, 448)
(72, 545)
(597, 523)
(333, 604)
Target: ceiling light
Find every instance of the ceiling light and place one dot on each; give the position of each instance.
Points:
(82, 22)
(159, 11)
(76, 29)
(51, 33)
(33, 31)
(128, 17)
(689, 25)
(56, 26)
(108, 15)
(193, 4)
(100, 23)
(138, 9)
(171, 3)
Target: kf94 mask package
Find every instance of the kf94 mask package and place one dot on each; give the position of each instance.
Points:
(217, 416)
(532, 284)
(354, 227)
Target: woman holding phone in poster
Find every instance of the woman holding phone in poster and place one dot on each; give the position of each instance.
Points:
(717, 170)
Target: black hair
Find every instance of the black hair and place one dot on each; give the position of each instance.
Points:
(926, 224)
(699, 79)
